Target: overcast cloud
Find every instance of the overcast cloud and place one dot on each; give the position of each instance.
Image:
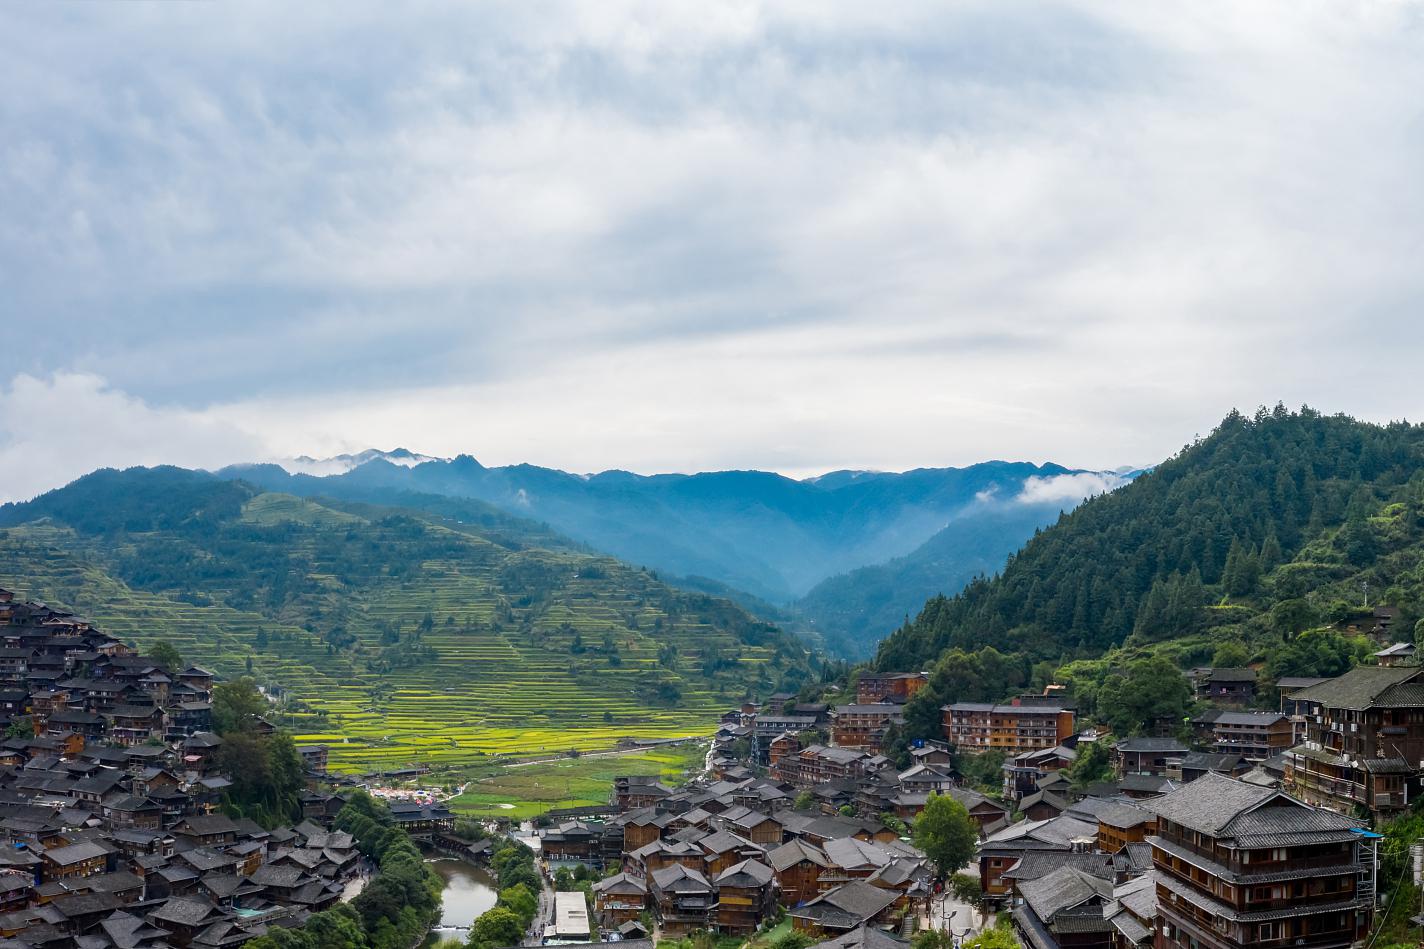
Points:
(680, 236)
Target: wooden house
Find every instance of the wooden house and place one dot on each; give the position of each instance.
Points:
(746, 894)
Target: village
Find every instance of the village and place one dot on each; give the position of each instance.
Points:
(1255, 831)
(110, 805)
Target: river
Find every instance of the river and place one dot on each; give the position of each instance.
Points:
(469, 891)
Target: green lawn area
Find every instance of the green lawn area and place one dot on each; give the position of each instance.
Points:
(571, 782)
(772, 934)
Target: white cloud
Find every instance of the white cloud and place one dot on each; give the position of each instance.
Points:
(54, 429)
(1070, 488)
(658, 235)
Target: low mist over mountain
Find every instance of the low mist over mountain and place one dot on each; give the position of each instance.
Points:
(759, 533)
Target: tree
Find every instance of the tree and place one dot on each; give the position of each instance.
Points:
(793, 940)
(1230, 655)
(22, 727)
(967, 888)
(164, 654)
(984, 770)
(237, 705)
(999, 936)
(496, 927)
(243, 756)
(1151, 689)
(1091, 766)
(932, 939)
(1293, 616)
(804, 801)
(521, 901)
(946, 833)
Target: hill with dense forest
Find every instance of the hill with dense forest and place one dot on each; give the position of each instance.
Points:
(433, 632)
(770, 536)
(1264, 539)
(853, 610)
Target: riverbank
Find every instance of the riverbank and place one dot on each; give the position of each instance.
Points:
(469, 891)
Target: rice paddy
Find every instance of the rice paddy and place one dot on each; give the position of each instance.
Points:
(527, 791)
(432, 645)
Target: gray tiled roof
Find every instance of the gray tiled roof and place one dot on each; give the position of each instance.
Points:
(1364, 687)
(1062, 889)
(1223, 807)
(1209, 803)
(1036, 864)
(747, 873)
(1232, 675)
(791, 853)
(858, 898)
(1123, 815)
(863, 937)
(1148, 744)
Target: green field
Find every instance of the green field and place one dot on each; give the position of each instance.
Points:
(401, 639)
(527, 791)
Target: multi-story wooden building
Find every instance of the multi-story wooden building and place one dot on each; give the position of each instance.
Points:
(684, 899)
(1002, 849)
(798, 866)
(1024, 772)
(768, 727)
(633, 791)
(1147, 755)
(1123, 824)
(898, 687)
(864, 726)
(818, 764)
(974, 727)
(1064, 910)
(746, 894)
(1239, 865)
(1254, 736)
(618, 899)
(1225, 686)
(1364, 740)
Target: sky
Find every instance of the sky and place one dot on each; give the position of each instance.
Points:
(669, 236)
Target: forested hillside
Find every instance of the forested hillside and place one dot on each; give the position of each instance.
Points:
(406, 634)
(1272, 526)
(852, 611)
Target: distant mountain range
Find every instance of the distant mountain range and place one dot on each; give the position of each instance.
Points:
(340, 464)
(762, 538)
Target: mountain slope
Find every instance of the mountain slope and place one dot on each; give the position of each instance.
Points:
(852, 611)
(406, 635)
(1270, 525)
(770, 536)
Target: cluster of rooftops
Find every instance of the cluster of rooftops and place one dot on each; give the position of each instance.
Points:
(110, 786)
(722, 852)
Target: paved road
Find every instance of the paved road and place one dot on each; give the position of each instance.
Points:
(544, 915)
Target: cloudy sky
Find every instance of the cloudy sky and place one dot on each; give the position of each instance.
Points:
(682, 236)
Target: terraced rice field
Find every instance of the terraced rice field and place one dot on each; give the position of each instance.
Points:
(486, 663)
(526, 791)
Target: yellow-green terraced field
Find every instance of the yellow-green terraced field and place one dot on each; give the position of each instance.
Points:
(527, 790)
(399, 638)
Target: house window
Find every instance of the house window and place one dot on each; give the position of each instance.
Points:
(1266, 931)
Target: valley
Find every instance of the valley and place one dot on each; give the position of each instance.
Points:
(398, 639)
